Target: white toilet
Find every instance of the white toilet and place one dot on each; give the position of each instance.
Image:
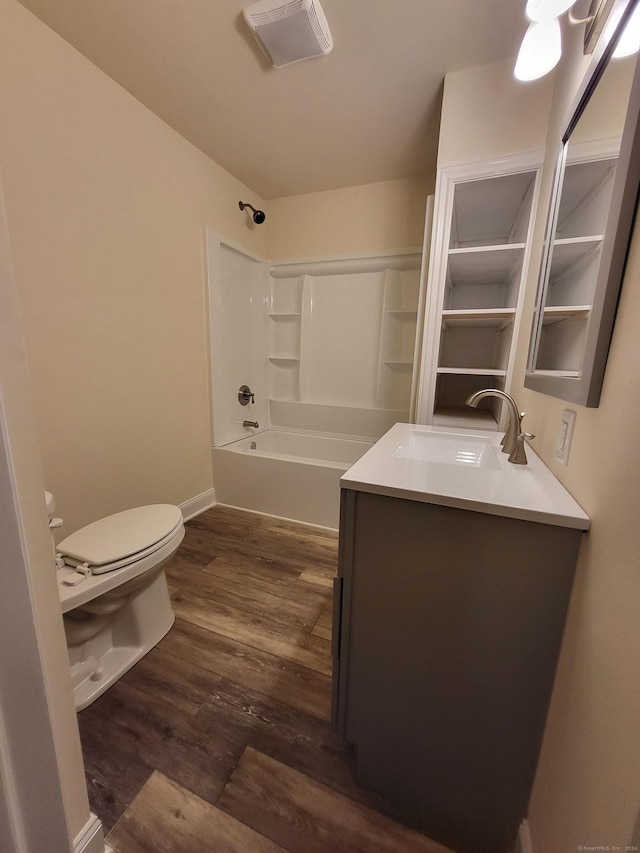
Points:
(113, 591)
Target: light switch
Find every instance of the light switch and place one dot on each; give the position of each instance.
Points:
(565, 434)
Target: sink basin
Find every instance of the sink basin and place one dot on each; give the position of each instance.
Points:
(465, 469)
(470, 451)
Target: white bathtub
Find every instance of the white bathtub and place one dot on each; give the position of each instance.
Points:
(287, 474)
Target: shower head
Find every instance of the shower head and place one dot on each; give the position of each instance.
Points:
(258, 215)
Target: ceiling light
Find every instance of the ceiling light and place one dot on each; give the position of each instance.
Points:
(540, 50)
(546, 10)
(629, 41)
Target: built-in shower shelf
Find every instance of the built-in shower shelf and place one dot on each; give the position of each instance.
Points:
(404, 315)
(397, 363)
(283, 315)
(284, 358)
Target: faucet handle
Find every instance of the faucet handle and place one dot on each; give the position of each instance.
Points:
(518, 455)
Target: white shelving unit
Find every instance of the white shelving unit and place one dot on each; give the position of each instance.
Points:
(573, 269)
(479, 255)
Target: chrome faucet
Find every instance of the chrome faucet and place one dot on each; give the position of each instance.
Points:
(513, 440)
(253, 424)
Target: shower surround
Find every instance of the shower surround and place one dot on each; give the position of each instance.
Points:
(328, 348)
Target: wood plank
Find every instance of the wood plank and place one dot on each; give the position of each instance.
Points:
(268, 537)
(295, 613)
(288, 735)
(300, 814)
(179, 682)
(114, 773)
(291, 644)
(318, 576)
(287, 682)
(323, 626)
(167, 818)
(249, 572)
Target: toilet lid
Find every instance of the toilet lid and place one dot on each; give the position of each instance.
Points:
(121, 535)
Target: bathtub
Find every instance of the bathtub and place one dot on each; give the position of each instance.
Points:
(287, 474)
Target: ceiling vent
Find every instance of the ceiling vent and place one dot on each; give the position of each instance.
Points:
(289, 32)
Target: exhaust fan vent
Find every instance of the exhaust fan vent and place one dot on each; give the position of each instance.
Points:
(289, 32)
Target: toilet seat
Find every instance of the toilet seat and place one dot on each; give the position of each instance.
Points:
(118, 540)
(112, 536)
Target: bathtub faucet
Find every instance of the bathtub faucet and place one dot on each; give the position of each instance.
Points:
(253, 424)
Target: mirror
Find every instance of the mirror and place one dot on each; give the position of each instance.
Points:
(589, 226)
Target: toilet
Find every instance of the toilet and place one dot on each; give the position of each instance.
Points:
(113, 591)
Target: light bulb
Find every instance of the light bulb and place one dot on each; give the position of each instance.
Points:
(545, 10)
(629, 41)
(540, 50)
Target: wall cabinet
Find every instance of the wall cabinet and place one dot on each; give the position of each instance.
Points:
(479, 256)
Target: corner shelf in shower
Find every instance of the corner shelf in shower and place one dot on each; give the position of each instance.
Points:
(283, 315)
(294, 359)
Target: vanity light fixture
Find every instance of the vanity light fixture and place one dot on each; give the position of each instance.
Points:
(541, 46)
(629, 41)
(540, 50)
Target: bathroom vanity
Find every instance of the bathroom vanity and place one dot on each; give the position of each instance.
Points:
(455, 574)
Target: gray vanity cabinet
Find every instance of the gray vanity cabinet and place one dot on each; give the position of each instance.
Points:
(447, 630)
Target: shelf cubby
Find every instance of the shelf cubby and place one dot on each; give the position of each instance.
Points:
(562, 344)
(586, 196)
(453, 389)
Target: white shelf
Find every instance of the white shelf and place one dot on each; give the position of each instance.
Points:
(403, 315)
(485, 264)
(285, 358)
(471, 371)
(390, 362)
(478, 314)
(464, 417)
(572, 374)
(555, 313)
(572, 250)
(283, 315)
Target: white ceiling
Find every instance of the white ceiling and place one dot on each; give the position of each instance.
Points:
(367, 112)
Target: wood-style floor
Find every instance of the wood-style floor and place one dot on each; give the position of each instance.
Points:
(219, 739)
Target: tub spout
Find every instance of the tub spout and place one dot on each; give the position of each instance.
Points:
(253, 424)
(513, 441)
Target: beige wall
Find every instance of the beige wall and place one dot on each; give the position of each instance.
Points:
(587, 789)
(487, 114)
(107, 208)
(373, 218)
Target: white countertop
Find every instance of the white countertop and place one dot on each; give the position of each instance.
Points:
(465, 469)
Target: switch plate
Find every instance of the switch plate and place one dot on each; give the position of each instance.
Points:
(565, 434)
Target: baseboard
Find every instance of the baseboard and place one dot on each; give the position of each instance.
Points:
(91, 839)
(524, 839)
(196, 505)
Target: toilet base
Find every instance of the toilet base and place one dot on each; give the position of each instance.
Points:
(135, 629)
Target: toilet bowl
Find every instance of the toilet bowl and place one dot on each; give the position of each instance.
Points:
(113, 592)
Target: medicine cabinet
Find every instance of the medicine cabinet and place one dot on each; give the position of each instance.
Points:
(588, 230)
(479, 254)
